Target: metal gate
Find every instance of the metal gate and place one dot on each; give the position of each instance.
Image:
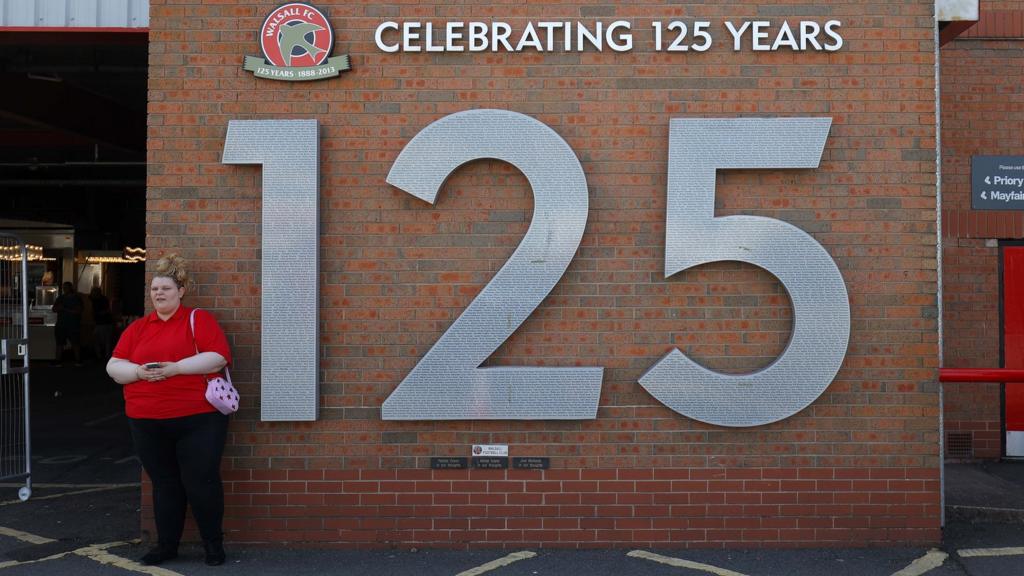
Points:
(15, 441)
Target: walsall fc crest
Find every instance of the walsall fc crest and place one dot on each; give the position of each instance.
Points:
(296, 40)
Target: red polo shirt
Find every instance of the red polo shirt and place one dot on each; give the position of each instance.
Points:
(150, 339)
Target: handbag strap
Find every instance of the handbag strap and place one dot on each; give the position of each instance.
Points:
(192, 325)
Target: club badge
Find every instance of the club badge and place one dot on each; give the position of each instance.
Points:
(296, 40)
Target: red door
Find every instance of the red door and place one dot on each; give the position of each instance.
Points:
(1013, 345)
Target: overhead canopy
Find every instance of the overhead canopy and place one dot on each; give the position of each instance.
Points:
(77, 14)
(955, 16)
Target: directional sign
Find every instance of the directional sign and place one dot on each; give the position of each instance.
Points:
(997, 182)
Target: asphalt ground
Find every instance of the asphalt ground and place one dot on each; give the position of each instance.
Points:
(83, 518)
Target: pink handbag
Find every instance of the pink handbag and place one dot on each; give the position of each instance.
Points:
(219, 391)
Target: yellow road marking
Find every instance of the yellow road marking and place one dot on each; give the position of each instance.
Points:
(933, 559)
(10, 563)
(513, 557)
(72, 493)
(680, 563)
(98, 553)
(24, 536)
(979, 552)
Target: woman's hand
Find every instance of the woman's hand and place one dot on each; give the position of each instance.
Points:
(162, 371)
(144, 373)
(202, 363)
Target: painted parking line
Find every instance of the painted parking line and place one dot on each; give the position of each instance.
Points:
(11, 563)
(24, 536)
(982, 552)
(100, 488)
(495, 564)
(933, 559)
(680, 563)
(98, 553)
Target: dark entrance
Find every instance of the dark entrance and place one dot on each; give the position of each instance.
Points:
(73, 157)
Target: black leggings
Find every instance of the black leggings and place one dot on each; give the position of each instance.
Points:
(182, 458)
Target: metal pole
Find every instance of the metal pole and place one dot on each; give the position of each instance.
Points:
(26, 492)
(938, 267)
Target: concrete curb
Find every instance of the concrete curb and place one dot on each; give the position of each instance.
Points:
(985, 514)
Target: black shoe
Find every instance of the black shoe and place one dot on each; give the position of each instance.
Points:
(157, 556)
(214, 552)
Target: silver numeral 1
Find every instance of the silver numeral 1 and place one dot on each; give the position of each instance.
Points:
(289, 151)
(448, 384)
(694, 236)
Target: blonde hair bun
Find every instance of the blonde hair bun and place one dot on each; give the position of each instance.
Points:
(174, 267)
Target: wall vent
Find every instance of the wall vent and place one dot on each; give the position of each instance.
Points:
(959, 445)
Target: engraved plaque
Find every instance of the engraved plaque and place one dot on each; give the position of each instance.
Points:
(289, 153)
(446, 463)
(490, 462)
(531, 463)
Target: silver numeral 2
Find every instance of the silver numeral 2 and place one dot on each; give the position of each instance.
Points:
(448, 384)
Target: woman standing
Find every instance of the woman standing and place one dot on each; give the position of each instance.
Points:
(178, 435)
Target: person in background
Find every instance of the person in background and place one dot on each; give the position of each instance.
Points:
(178, 435)
(104, 322)
(68, 307)
(87, 325)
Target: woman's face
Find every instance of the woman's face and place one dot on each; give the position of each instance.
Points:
(165, 294)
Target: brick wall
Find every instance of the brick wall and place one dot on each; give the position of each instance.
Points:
(859, 466)
(979, 117)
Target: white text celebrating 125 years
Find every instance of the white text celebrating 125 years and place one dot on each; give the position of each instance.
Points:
(568, 36)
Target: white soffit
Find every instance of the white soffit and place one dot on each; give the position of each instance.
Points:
(74, 13)
(956, 10)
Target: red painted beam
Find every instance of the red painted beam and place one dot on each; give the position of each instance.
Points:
(75, 29)
(48, 36)
(980, 375)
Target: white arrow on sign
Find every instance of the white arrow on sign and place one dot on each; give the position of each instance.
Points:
(988, 180)
(984, 195)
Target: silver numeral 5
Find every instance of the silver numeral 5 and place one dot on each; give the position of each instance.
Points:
(693, 236)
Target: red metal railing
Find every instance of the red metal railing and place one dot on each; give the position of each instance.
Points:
(981, 375)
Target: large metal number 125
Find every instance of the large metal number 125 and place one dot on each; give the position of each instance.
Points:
(448, 383)
(693, 236)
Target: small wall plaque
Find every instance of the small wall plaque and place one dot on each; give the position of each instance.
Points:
(490, 449)
(531, 463)
(444, 463)
(490, 462)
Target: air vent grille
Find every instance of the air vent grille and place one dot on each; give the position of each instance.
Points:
(959, 445)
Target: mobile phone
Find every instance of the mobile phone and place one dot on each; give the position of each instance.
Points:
(152, 365)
